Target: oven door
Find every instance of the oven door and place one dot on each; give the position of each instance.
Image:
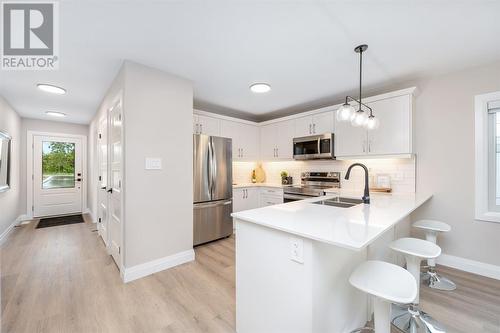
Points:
(313, 147)
(289, 197)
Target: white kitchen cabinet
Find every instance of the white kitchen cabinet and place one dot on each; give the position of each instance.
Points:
(319, 123)
(349, 140)
(393, 137)
(245, 198)
(245, 139)
(394, 134)
(276, 140)
(206, 125)
(270, 196)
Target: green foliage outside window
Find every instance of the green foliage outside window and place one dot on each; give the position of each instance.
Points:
(58, 158)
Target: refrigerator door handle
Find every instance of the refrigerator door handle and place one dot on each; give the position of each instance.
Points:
(212, 204)
(209, 169)
(214, 167)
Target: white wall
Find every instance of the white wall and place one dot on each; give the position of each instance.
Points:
(43, 126)
(10, 208)
(444, 122)
(157, 120)
(159, 204)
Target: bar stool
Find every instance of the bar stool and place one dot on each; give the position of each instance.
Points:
(386, 283)
(411, 319)
(432, 228)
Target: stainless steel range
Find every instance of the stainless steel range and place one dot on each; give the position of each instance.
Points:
(313, 184)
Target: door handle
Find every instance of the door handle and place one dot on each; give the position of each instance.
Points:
(277, 152)
(310, 129)
(201, 128)
(103, 188)
(110, 190)
(314, 128)
(78, 179)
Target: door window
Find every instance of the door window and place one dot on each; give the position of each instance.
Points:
(58, 165)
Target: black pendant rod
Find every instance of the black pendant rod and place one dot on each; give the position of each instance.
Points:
(360, 74)
(360, 49)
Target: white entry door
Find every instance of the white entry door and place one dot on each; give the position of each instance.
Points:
(57, 175)
(102, 194)
(115, 183)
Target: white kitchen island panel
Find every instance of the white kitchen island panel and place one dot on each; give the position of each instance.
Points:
(277, 294)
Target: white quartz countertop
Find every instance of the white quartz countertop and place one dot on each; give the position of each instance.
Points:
(353, 228)
(245, 185)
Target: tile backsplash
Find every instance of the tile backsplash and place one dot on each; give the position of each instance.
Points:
(401, 171)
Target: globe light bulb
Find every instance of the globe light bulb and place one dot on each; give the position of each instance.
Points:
(372, 123)
(359, 118)
(345, 112)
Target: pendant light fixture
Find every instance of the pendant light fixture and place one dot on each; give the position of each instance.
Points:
(359, 117)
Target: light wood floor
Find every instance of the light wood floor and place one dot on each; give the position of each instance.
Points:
(60, 279)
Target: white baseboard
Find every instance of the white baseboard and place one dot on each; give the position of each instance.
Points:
(7, 231)
(92, 216)
(471, 266)
(142, 270)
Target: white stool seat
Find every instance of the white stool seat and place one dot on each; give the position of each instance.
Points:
(416, 247)
(432, 225)
(386, 281)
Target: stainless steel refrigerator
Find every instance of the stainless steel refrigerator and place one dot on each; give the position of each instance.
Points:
(213, 191)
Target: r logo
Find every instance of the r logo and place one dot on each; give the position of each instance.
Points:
(28, 29)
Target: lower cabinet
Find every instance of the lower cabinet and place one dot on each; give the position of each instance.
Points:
(245, 198)
(255, 197)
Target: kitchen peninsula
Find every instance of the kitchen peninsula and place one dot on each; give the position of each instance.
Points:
(293, 260)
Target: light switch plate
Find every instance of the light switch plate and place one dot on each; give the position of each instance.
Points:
(153, 163)
(297, 250)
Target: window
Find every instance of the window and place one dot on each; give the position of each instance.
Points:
(58, 165)
(487, 139)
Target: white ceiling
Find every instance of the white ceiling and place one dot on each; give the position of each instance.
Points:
(304, 49)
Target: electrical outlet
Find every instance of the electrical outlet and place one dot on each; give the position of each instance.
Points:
(297, 250)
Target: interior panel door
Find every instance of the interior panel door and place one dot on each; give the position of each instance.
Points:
(102, 195)
(115, 183)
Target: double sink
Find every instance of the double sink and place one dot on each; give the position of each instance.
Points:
(339, 202)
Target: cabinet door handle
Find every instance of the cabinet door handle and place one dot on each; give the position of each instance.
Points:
(314, 128)
(197, 131)
(277, 152)
(201, 128)
(310, 129)
(364, 146)
(369, 146)
(241, 152)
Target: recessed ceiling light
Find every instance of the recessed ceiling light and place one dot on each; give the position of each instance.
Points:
(51, 88)
(55, 114)
(260, 88)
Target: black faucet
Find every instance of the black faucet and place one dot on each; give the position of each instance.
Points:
(366, 196)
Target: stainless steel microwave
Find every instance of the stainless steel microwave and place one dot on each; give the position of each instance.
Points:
(314, 147)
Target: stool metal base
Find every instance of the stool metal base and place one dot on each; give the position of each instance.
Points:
(412, 320)
(435, 281)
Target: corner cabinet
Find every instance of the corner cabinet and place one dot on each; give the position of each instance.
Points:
(393, 137)
(245, 139)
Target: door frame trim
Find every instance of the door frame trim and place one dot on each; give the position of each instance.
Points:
(29, 167)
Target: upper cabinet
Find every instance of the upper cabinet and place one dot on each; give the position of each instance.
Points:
(206, 125)
(276, 140)
(245, 139)
(395, 131)
(393, 137)
(319, 123)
